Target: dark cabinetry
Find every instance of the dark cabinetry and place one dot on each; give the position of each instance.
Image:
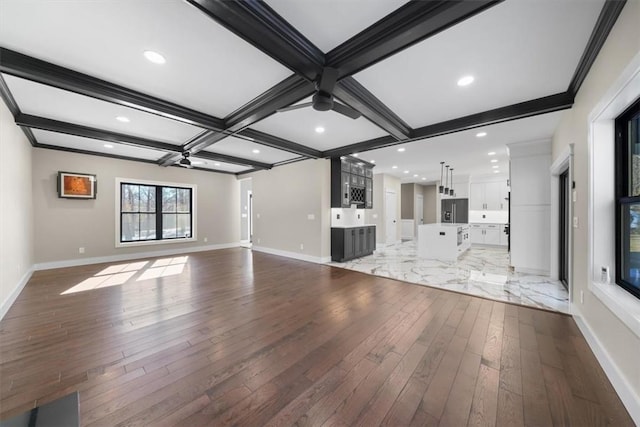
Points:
(352, 242)
(351, 183)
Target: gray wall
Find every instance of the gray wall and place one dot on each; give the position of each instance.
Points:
(430, 193)
(16, 215)
(283, 199)
(407, 197)
(63, 225)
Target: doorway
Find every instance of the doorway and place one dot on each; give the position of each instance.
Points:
(246, 212)
(564, 225)
(391, 219)
(250, 216)
(419, 212)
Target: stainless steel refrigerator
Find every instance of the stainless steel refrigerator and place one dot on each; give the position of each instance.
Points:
(455, 211)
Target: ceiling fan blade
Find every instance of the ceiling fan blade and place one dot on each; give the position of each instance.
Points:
(344, 110)
(295, 107)
(328, 80)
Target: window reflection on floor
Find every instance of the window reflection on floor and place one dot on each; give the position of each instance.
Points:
(120, 274)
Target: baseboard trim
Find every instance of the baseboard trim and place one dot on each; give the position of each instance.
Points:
(130, 256)
(13, 296)
(294, 255)
(532, 271)
(629, 398)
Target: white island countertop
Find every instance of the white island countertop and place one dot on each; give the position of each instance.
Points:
(443, 241)
(353, 226)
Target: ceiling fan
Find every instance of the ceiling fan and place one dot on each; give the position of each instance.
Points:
(323, 98)
(184, 161)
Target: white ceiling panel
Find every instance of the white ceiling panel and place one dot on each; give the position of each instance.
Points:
(207, 67)
(217, 166)
(81, 143)
(329, 23)
(464, 151)
(299, 126)
(52, 103)
(239, 147)
(517, 51)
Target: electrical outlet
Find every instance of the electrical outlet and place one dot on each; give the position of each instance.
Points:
(337, 216)
(604, 274)
(258, 240)
(374, 216)
(80, 250)
(581, 297)
(302, 246)
(206, 239)
(575, 222)
(258, 216)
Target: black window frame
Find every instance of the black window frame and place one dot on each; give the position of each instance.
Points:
(159, 213)
(622, 198)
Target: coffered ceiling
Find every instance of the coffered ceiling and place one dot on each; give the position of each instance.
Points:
(75, 76)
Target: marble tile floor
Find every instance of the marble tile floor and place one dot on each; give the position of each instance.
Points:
(480, 271)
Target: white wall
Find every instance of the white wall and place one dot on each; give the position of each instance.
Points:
(615, 344)
(16, 215)
(292, 210)
(64, 225)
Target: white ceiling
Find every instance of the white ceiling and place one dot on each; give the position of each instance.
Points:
(52, 103)
(238, 147)
(517, 51)
(88, 144)
(319, 21)
(208, 68)
(299, 126)
(463, 151)
(217, 166)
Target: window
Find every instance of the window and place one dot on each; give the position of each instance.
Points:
(627, 193)
(153, 212)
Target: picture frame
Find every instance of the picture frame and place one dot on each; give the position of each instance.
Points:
(73, 185)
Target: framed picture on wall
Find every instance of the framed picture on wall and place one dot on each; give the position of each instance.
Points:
(73, 185)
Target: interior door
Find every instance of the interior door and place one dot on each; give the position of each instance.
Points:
(419, 212)
(565, 223)
(391, 220)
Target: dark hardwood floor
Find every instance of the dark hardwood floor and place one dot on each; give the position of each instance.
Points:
(232, 337)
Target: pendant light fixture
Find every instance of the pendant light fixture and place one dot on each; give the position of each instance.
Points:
(441, 171)
(446, 184)
(451, 189)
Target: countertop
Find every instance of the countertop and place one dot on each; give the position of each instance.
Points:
(353, 226)
(444, 224)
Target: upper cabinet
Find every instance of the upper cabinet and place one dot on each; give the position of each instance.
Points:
(489, 196)
(351, 183)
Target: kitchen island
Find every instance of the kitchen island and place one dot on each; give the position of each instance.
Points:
(443, 241)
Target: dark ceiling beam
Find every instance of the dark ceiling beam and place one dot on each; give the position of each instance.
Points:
(261, 26)
(93, 153)
(42, 123)
(608, 17)
(357, 96)
(279, 143)
(409, 24)
(39, 71)
(547, 104)
(12, 105)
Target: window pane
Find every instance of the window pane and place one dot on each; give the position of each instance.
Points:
(631, 244)
(147, 198)
(130, 198)
(184, 199)
(147, 226)
(130, 225)
(168, 199)
(184, 225)
(634, 155)
(168, 226)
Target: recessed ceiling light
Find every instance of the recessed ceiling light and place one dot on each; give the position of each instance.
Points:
(491, 153)
(198, 162)
(496, 171)
(494, 160)
(372, 161)
(401, 150)
(108, 146)
(319, 129)
(123, 119)
(406, 171)
(154, 57)
(255, 151)
(465, 81)
(495, 166)
(481, 134)
(394, 167)
(415, 175)
(216, 164)
(424, 179)
(355, 154)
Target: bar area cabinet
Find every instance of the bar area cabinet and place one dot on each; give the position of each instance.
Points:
(351, 183)
(352, 242)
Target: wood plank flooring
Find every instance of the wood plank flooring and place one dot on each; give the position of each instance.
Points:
(232, 337)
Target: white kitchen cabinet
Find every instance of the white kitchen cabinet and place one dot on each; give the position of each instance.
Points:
(488, 196)
(487, 234)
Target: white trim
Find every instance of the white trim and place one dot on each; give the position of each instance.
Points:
(134, 255)
(627, 395)
(8, 302)
(532, 271)
(194, 212)
(294, 255)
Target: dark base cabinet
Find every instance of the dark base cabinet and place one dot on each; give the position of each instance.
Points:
(352, 242)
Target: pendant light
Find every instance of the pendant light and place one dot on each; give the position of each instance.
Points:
(451, 189)
(441, 170)
(446, 184)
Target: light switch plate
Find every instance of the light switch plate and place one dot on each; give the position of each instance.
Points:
(311, 217)
(575, 222)
(574, 195)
